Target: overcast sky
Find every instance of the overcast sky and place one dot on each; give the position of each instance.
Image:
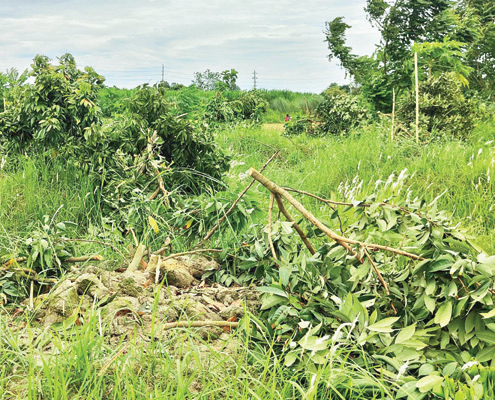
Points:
(128, 41)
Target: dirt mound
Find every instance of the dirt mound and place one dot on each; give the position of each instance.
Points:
(131, 302)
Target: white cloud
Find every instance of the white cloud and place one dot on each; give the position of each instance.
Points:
(128, 41)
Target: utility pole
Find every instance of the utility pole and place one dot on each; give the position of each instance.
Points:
(163, 72)
(254, 78)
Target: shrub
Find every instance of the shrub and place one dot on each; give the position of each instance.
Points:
(59, 108)
(442, 107)
(247, 106)
(340, 113)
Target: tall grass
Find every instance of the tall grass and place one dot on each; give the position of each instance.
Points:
(331, 167)
(282, 102)
(86, 362)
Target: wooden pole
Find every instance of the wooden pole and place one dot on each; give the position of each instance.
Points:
(393, 115)
(416, 80)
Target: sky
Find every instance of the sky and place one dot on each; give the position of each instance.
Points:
(128, 41)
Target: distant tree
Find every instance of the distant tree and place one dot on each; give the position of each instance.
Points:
(209, 80)
(206, 80)
(450, 36)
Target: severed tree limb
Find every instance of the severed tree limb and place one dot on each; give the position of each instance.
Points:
(269, 227)
(214, 229)
(298, 229)
(136, 261)
(82, 259)
(64, 261)
(272, 187)
(378, 274)
(198, 324)
(28, 274)
(341, 203)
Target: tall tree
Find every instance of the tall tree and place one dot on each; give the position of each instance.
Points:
(462, 29)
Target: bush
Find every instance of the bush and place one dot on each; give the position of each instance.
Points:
(247, 106)
(442, 108)
(58, 116)
(58, 109)
(339, 114)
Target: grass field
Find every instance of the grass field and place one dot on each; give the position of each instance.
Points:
(81, 364)
(354, 167)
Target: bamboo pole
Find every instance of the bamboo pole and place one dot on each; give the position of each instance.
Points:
(343, 241)
(416, 80)
(393, 115)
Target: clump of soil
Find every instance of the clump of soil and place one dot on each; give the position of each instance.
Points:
(128, 302)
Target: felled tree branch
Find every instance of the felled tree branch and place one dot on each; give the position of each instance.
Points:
(341, 203)
(64, 261)
(269, 227)
(298, 229)
(345, 242)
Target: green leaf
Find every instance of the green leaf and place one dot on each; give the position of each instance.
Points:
(405, 334)
(489, 314)
(409, 390)
(470, 321)
(384, 325)
(290, 358)
(272, 290)
(444, 313)
(486, 354)
(284, 273)
(313, 343)
(271, 300)
(486, 336)
(430, 303)
(428, 383)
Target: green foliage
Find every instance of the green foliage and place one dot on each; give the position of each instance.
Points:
(209, 80)
(339, 114)
(298, 127)
(10, 82)
(59, 108)
(442, 106)
(449, 36)
(437, 58)
(43, 251)
(246, 106)
(438, 313)
(113, 101)
(149, 142)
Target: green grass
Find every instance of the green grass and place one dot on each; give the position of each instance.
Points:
(349, 168)
(177, 365)
(85, 363)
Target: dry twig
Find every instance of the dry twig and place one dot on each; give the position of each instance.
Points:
(214, 229)
(198, 324)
